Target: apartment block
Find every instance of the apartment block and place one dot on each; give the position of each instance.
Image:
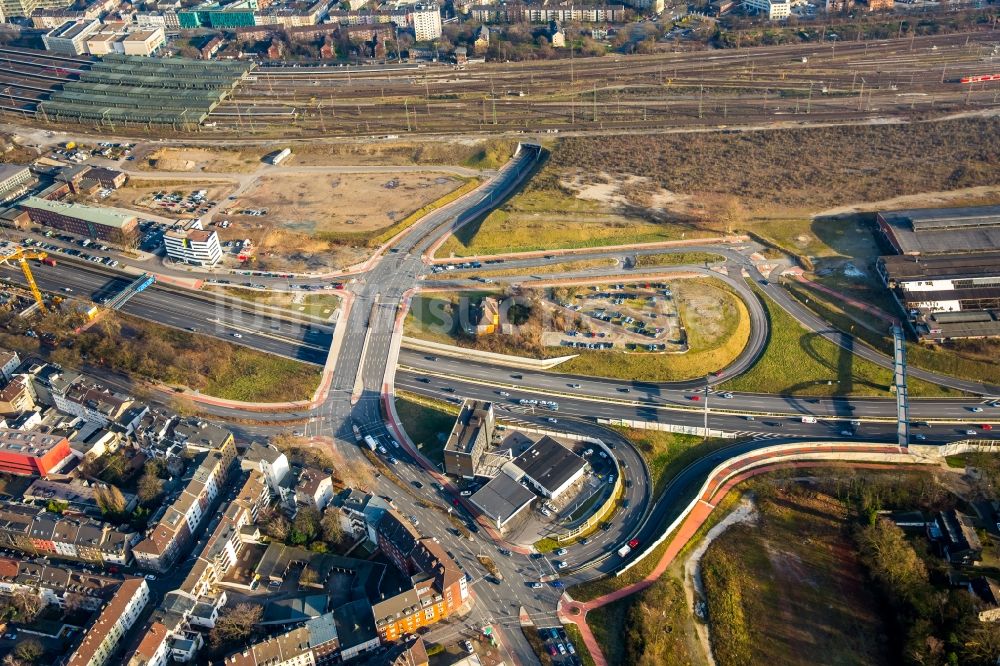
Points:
(103, 637)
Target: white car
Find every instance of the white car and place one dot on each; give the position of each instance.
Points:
(237, 335)
(468, 647)
(561, 552)
(150, 576)
(552, 420)
(560, 564)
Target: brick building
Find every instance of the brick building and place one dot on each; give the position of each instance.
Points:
(96, 223)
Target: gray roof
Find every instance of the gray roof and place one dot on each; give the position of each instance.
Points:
(355, 624)
(322, 630)
(942, 266)
(944, 230)
(107, 217)
(502, 498)
(549, 463)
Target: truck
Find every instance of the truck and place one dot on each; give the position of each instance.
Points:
(624, 550)
(280, 157)
(370, 442)
(49, 261)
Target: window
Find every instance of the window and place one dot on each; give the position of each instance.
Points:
(429, 613)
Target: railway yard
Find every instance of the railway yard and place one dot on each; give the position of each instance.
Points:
(829, 82)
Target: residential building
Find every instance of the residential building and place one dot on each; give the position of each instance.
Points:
(438, 589)
(173, 531)
(470, 437)
(426, 22)
(879, 5)
(96, 223)
(25, 8)
(9, 360)
(17, 397)
(288, 649)
(103, 636)
(52, 583)
(956, 538)
(198, 435)
(71, 36)
(487, 315)
(46, 19)
(193, 245)
(32, 453)
(517, 12)
(96, 404)
(271, 462)
(314, 489)
(557, 36)
(988, 592)
(14, 181)
(34, 530)
(76, 494)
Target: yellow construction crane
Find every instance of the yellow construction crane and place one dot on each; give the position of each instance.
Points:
(22, 256)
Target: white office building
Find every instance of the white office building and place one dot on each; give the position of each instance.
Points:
(775, 10)
(71, 37)
(193, 245)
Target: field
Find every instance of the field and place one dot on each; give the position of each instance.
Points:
(328, 206)
(548, 216)
(186, 159)
(651, 627)
(138, 194)
(791, 588)
(474, 154)
(820, 367)
(321, 306)
(427, 422)
(803, 168)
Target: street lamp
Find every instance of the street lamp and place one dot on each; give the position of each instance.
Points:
(708, 378)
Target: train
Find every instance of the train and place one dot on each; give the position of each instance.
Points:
(980, 78)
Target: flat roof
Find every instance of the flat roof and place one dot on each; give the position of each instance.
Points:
(942, 266)
(502, 498)
(72, 29)
(470, 420)
(549, 463)
(944, 230)
(8, 171)
(108, 217)
(978, 323)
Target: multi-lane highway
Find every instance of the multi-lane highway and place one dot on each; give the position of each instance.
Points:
(366, 370)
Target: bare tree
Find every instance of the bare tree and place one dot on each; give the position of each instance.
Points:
(110, 500)
(29, 651)
(236, 623)
(333, 531)
(149, 487)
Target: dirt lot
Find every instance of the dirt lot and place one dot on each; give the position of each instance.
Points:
(200, 159)
(138, 194)
(336, 204)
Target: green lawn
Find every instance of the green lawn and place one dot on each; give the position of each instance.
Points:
(252, 376)
(666, 453)
(427, 422)
(799, 362)
(581, 648)
(677, 258)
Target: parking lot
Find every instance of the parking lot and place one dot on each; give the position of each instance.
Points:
(559, 647)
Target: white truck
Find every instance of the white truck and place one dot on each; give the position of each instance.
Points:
(624, 550)
(370, 442)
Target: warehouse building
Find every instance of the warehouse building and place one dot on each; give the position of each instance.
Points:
(941, 230)
(193, 245)
(502, 500)
(104, 224)
(471, 435)
(943, 283)
(548, 467)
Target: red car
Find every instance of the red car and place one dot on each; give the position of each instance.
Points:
(986, 426)
(695, 398)
(633, 543)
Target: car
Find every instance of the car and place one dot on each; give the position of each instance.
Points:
(468, 647)
(971, 432)
(584, 541)
(558, 584)
(694, 398)
(545, 512)
(536, 585)
(919, 437)
(237, 335)
(570, 648)
(750, 417)
(274, 584)
(417, 484)
(298, 433)
(561, 647)
(727, 396)
(624, 389)
(504, 394)
(633, 543)
(560, 564)
(393, 461)
(561, 551)
(764, 283)
(67, 289)
(625, 503)
(552, 420)
(846, 433)
(553, 651)
(413, 520)
(986, 426)
(465, 493)
(975, 409)
(150, 576)
(574, 386)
